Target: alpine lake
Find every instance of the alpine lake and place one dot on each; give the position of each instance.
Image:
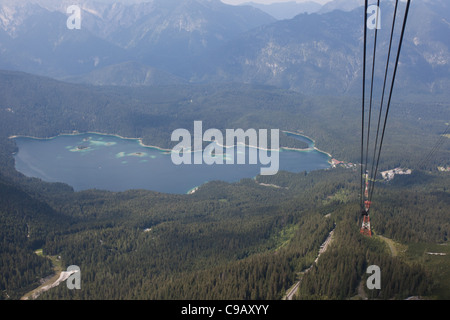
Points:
(109, 162)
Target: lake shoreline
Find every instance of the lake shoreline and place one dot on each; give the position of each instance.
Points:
(191, 188)
(313, 142)
(140, 140)
(96, 133)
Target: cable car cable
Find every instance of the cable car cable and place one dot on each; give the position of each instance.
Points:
(384, 88)
(392, 88)
(366, 4)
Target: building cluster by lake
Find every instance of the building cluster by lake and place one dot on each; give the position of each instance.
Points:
(387, 175)
(335, 163)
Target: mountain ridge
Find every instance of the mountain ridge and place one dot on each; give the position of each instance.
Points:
(203, 41)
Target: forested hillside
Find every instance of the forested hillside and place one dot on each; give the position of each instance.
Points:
(226, 241)
(42, 107)
(236, 241)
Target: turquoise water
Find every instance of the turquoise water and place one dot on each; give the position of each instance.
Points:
(107, 162)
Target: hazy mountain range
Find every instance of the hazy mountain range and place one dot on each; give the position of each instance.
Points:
(286, 10)
(161, 34)
(172, 41)
(323, 52)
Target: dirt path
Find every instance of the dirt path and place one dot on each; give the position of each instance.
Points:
(49, 282)
(361, 293)
(394, 252)
(390, 244)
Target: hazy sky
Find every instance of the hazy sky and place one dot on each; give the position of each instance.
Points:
(271, 1)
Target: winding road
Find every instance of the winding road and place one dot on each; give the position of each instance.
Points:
(293, 290)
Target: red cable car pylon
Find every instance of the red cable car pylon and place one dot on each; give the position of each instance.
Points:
(365, 228)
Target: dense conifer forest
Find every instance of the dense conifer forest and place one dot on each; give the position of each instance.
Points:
(243, 240)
